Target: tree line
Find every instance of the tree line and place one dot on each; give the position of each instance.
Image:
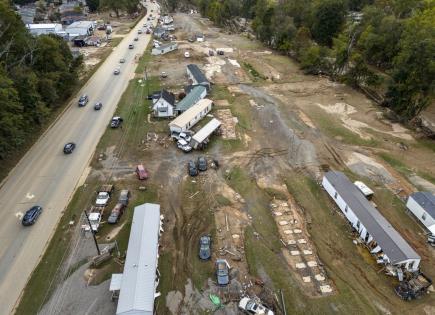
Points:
(388, 45)
(37, 74)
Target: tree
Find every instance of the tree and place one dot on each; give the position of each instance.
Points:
(93, 5)
(328, 18)
(314, 60)
(359, 74)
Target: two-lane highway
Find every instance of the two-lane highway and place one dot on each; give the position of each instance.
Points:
(47, 177)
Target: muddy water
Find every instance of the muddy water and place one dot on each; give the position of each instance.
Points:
(277, 134)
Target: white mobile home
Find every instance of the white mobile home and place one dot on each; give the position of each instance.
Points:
(164, 49)
(422, 205)
(43, 29)
(81, 28)
(383, 240)
(200, 138)
(138, 283)
(191, 116)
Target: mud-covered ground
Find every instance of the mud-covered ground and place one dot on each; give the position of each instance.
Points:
(264, 207)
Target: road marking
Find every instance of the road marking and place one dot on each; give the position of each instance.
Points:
(30, 196)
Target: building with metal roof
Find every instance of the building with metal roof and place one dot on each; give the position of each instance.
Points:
(197, 93)
(80, 28)
(201, 137)
(137, 284)
(44, 28)
(382, 238)
(422, 205)
(163, 49)
(191, 116)
(196, 76)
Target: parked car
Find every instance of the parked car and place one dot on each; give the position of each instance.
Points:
(69, 147)
(122, 60)
(192, 170)
(202, 163)
(141, 172)
(148, 31)
(186, 54)
(205, 247)
(117, 71)
(183, 145)
(131, 46)
(220, 52)
(98, 106)
(31, 215)
(116, 213)
(164, 75)
(124, 197)
(83, 100)
(251, 306)
(185, 136)
(222, 272)
(116, 122)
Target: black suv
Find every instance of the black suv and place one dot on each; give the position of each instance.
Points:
(31, 215)
(202, 164)
(83, 100)
(192, 170)
(69, 147)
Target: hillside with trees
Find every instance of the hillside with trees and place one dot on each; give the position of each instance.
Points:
(37, 74)
(383, 46)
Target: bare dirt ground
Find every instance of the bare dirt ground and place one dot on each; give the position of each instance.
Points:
(263, 206)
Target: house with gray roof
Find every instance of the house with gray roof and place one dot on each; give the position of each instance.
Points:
(196, 77)
(378, 234)
(422, 205)
(196, 94)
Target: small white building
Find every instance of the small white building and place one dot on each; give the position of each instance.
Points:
(42, 29)
(191, 116)
(384, 241)
(422, 205)
(81, 28)
(366, 191)
(201, 138)
(163, 105)
(164, 49)
(167, 19)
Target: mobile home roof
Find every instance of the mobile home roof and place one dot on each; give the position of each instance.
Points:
(426, 200)
(207, 130)
(190, 98)
(391, 242)
(138, 279)
(190, 114)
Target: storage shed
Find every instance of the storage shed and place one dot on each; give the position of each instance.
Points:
(190, 117)
(383, 240)
(197, 77)
(422, 205)
(200, 138)
(164, 49)
(196, 93)
(137, 284)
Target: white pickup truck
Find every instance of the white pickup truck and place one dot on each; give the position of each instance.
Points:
(103, 196)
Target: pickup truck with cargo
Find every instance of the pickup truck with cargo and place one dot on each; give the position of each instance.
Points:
(103, 195)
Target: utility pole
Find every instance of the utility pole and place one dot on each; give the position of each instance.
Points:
(93, 233)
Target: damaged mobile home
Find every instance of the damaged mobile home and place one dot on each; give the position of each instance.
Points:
(383, 241)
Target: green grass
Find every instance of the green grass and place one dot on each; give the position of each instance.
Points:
(44, 278)
(253, 72)
(222, 201)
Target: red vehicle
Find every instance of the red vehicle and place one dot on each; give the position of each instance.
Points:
(141, 172)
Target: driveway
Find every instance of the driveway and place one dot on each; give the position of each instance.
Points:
(47, 177)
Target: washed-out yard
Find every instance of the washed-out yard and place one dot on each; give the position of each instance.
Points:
(263, 205)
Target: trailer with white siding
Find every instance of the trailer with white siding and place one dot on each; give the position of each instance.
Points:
(422, 205)
(384, 242)
(190, 117)
(200, 139)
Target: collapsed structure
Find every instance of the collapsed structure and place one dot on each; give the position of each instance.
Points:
(376, 232)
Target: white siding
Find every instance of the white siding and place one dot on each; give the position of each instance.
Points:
(162, 108)
(420, 214)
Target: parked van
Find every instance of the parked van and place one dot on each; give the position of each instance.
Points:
(141, 172)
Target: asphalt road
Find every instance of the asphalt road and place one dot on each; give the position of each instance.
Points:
(47, 177)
